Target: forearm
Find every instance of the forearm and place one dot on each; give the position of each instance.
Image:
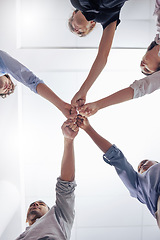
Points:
(68, 161)
(49, 95)
(118, 97)
(102, 56)
(101, 142)
(95, 71)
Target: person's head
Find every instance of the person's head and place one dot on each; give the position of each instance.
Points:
(36, 210)
(79, 25)
(151, 60)
(145, 165)
(6, 86)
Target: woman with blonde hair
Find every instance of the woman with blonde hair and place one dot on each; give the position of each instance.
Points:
(83, 20)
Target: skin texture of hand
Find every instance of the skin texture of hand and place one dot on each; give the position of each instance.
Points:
(101, 142)
(88, 109)
(70, 129)
(82, 122)
(69, 111)
(79, 99)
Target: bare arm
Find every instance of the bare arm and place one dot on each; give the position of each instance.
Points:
(49, 95)
(101, 142)
(70, 130)
(118, 97)
(98, 65)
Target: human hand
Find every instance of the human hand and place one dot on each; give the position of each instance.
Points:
(69, 111)
(88, 109)
(82, 122)
(79, 99)
(70, 129)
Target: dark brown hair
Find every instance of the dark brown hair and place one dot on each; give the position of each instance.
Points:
(152, 45)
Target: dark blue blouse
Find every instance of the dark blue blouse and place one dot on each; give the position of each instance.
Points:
(101, 11)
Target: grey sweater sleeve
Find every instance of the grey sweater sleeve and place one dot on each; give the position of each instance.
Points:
(65, 201)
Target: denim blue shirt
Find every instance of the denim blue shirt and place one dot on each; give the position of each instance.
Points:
(145, 187)
(9, 65)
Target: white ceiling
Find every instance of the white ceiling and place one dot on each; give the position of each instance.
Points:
(43, 24)
(35, 32)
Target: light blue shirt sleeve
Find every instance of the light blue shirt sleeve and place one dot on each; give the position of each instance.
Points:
(9, 65)
(124, 169)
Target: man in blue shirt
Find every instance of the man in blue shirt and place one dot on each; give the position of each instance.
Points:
(144, 184)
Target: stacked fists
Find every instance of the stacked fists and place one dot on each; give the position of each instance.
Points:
(87, 110)
(71, 126)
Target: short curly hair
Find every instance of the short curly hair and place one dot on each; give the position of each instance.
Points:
(4, 95)
(72, 29)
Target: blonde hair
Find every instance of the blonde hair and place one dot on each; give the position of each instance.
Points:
(72, 29)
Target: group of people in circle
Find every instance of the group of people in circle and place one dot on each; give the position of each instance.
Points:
(143, 184)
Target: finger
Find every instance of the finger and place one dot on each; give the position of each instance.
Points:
(79, 120)
(74, 103)
(67, 123)
(73, 128)
(86, 113)
(80, 102)
(82, 108)
(72, 116)
(79, 124)
(76, 129)
(64, 125)
(73, 109)
(80, 117)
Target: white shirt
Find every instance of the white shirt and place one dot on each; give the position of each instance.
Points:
(146, 85)
(157, 13)
(150, 83)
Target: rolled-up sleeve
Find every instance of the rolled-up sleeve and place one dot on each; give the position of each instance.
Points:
(146, 85)
(65, 203)
(18, 71)
(124, 169)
